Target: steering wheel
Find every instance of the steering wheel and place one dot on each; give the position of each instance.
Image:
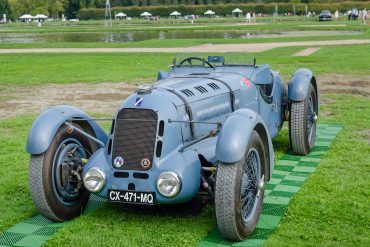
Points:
(189, 59)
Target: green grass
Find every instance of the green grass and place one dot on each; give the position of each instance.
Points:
(69, 68)
(332, 206)
(15, 198)
(330, 209)
(37, 69)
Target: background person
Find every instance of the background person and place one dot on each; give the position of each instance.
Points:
(364, 16)
(349, 13)
(248, 17)
(336, 15)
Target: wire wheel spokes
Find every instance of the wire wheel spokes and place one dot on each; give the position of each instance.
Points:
(310, 119)
(249, 188)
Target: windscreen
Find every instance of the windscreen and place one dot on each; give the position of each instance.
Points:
(214, 59)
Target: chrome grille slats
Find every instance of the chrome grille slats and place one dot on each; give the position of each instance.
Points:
(134, 137)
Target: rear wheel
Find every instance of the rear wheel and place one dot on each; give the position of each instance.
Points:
(55, 176)
(302, 123)
(239, 192)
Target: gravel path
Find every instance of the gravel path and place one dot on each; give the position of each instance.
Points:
(253, 47)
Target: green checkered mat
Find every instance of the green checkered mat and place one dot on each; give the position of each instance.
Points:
(290, 172)
(36, 230)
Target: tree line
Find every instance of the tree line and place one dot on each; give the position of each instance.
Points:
(223, 9)
(71, 8)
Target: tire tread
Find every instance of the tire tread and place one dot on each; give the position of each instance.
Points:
(37, 188)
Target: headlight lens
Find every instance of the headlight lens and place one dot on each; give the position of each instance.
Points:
(94, 179)
(168, 184)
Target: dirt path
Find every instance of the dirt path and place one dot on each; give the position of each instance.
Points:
(253, 47)
(306, 52)
(100, 98)
(106, 97)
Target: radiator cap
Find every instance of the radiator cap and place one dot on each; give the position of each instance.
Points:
(144, 88)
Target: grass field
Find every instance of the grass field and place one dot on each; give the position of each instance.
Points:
(136, 68)
(331, 209)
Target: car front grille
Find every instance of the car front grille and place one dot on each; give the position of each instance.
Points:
(134, 138)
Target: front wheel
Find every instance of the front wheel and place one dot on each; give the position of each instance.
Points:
(55, 176)
(239, 192)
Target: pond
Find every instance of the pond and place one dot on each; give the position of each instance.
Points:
(128, 36)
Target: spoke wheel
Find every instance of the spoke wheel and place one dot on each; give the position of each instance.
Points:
(239, 192)
(250, 182)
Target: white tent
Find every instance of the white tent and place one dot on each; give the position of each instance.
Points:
(175, 14)
(145, 15)
(237, 12)
(26, 17)
(120, 16)
(209, 13)
(40, 17)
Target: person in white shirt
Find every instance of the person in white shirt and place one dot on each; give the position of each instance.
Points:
(248, 17)
(364, 16)
(336, 15)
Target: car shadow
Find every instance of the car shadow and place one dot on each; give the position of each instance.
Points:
(191, 208)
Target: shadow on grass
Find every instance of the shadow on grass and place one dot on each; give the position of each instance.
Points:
(189, 209)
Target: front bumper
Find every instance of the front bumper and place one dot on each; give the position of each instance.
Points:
(186, 165)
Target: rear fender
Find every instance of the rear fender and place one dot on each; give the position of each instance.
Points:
(46, 125)
(234, 136)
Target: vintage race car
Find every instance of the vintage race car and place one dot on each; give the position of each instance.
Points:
(205, 127)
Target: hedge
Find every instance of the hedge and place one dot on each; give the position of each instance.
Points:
(221, 9)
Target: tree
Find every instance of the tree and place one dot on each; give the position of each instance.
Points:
(4, 8)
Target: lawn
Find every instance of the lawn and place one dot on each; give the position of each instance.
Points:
(330, 209)
(39, 69)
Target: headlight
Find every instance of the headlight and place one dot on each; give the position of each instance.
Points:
(168, 184)
(94, 179)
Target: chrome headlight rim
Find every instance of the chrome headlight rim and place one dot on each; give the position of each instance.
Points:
(178, 180)
(101, 173)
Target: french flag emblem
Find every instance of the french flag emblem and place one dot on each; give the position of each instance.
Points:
(138, 101)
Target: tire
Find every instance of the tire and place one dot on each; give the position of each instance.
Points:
(50, 199)
(302, 123)
(231, 222)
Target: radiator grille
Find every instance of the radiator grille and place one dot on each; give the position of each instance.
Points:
(134, 137)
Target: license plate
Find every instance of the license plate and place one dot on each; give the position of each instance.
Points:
(134, 197)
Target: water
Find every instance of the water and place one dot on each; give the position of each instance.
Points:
(128, 36)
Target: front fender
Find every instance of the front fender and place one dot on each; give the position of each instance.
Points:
(299, 85)
(46, 125)
(234, 136)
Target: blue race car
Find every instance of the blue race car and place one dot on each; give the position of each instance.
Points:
(204, 127)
